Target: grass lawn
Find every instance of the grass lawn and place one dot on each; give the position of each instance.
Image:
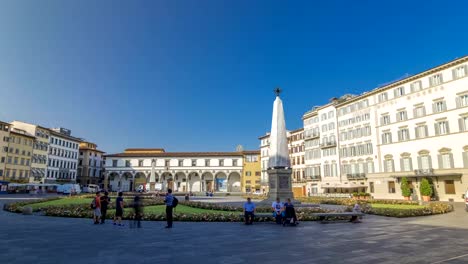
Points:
(180, 209)
(397, 206)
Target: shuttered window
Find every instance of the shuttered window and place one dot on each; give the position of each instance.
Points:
(391, 187)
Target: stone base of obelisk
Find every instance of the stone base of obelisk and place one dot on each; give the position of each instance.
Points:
(280, 186)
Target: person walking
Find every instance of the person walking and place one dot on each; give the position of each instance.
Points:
(105, 200)
(168, 200)
(277, 207)
(96, 205)
(119, 209)
(137, 211)
(249, 212)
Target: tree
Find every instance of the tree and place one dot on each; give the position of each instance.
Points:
(405, 189)
(425, 188)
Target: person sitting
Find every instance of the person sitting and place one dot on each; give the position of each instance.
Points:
(249, 212)
(356, 209)
(289, 212)
(277, 210)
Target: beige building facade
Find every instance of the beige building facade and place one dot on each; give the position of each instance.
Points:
(90, 165)
(4, 139)
(18, 160)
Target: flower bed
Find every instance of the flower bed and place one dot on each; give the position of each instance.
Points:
(407, 210)
(351, 201)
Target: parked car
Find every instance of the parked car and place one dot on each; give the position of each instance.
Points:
(71, 189)
(91, 188)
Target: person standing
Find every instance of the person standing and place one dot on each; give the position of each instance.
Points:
(137, 210)
(119, 206)
(277, 207)
(168, 200)
(249, 212)
(105, 200)
(97, 208)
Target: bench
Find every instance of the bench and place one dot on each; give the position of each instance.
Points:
(257, 215)
(324, 216)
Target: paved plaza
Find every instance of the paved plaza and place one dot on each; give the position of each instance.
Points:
(39, 239)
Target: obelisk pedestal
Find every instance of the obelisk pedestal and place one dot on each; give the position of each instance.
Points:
(280, 184)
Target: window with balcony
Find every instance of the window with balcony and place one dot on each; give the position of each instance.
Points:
(439, 106)
(442, 128)
(435, 79)
(459, 72)
(403, 134)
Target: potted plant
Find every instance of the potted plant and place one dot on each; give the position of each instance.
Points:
(405, 189)
(426, 190)
(355, 195)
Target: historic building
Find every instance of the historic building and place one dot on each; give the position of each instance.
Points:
(416, 127)
(62, 160)
(155, 169)
(251, 172)
(90, 164)
(40, 149)
(18, 159)
(4, 138)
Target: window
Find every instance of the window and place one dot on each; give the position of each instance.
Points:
(462, 100)
(234, 162)
(463, 123)
(391, 187)
(445, 160)
(460, 72)
(221, 162)
(406, 164)
(421, 131)
(439, 106)
(127, 163)
(324, 128)
(257, 173)
(449, 187)
(371, 187)
(114, 163)
(383, 97)
(419, 111)
(441, 128)
(15, 160)
(248, 173)
(400, 91)
(385, 120)
(402, 116)
(140, 163)
(194, 163)
(424, 162)
(207, 162)
(435, 80)
(403, 134)
(386, 138)
(388, 165)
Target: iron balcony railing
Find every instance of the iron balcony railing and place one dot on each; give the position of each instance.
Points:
(356, 176)
(424, 172)
(328, 144)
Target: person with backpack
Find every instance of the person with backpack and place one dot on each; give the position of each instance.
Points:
(96, 206)
(105, 200)
(171, 202)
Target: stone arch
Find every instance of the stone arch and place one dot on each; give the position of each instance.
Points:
(167, 181)
(234, 182)
(140, 180)
(207, 181)
(195, 182)
(221, 181)
(180, 182)
(126, 182)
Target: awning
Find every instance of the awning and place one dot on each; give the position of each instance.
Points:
(428, 175)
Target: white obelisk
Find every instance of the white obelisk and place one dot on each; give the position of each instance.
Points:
(279, 171)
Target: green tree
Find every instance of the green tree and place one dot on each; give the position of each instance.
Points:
(405, 189)
(425, 188)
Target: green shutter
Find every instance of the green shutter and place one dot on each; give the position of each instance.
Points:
(427, 131)
(448, 126)
(430, 162)
(401, 165)
(436, 128)
(461, 125)
(465, 159)
(434, 108)
(419, 163)
(458, 101)
(452, 165)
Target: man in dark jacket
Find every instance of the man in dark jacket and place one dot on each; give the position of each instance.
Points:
(168, 201)
(105, 200)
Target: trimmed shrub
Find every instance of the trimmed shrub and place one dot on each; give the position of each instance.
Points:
(431, 209)
(425, 188)
(405, 189)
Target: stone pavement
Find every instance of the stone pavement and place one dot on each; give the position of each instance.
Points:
(39, 239)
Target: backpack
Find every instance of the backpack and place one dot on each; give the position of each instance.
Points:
(175, 202)
(93, 204)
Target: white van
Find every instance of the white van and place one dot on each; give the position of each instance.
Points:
(71, 189)
(91, 188)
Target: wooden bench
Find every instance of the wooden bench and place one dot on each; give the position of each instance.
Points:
(325, 216)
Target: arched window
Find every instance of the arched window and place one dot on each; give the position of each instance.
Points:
(389, 165)
(445, 158)
(406, 163)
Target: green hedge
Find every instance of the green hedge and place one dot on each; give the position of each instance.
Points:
(430, 209)
(351, 202)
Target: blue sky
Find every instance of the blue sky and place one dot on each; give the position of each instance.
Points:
(198, 75)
